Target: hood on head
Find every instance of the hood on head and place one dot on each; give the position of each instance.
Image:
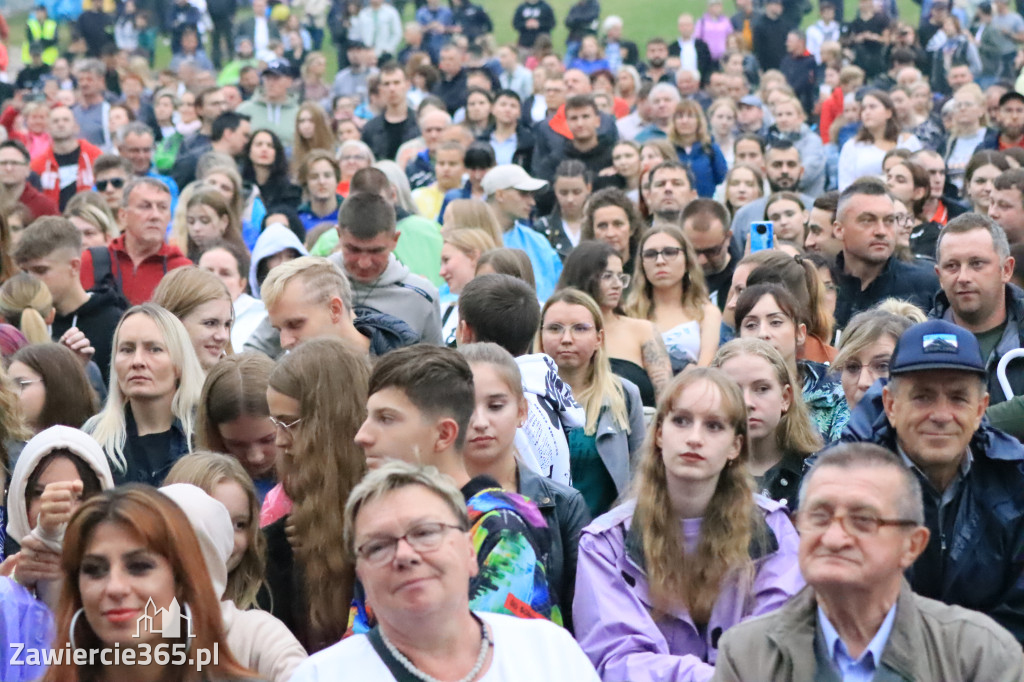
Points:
(42, 444)
(273, 240)
(212, 523)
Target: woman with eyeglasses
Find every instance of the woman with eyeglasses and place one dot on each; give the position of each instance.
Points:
(310, 575)
(968, 132)
(866, 348)
(353, 156)
(602, 451)
(634, 347)
(669, 290)
(53, 386)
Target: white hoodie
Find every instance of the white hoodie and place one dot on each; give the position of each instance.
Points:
(257, 639)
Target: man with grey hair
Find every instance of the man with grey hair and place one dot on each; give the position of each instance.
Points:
(92, 112)
(134, 263)
(974, 266)
(135, 143)
(661, 106)
(930, 413)
(861, 526)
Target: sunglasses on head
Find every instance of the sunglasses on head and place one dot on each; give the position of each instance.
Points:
(116, 183)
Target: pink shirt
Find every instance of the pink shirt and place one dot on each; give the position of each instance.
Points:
(714, 32)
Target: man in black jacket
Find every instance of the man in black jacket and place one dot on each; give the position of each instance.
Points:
(800, 69)
(583, 120)
(770, 30)
(386, 132)
(452, 86)
(693, 52)
(532, 19)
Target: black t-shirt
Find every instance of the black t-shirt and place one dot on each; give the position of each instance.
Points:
(719, 283)
(870, 54)
(68, 173)
(394, 134)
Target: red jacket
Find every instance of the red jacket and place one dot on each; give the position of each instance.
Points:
(831, 108)
(137, 284)
(45, 166)
(37, 202)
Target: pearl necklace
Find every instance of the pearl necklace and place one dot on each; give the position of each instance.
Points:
(485, 644)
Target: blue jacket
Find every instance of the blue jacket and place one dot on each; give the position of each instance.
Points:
(709, 167)
(547, 266)
(975, 557)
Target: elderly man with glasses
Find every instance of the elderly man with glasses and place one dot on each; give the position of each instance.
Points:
(861, 526)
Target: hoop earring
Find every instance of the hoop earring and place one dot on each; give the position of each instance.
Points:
(71, 630)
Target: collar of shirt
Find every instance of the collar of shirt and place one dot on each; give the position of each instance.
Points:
(863, 667)
(947, 495)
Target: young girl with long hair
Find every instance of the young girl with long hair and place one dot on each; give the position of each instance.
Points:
(669, 290)
(26, 303)
(879, 133)
(310, 574)
(208, 217)
(200, 300)
(312, 131)
(771, 313)
(981, 172)
(634, 347)
(779, 426)
(265, 166)
(53, 386)
(602, 451)
(743, 184)
(563, 226)
(695, 148)
(695, 552)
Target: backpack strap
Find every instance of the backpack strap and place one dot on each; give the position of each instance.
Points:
(102, 268)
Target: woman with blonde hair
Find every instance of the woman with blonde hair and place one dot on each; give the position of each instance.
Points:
(506, 261)
(312, 131)
(200, 300)
(722, 122)
(476, 215)
(603, 450)
(249, 208)
(669, 290)
(208, 218)
(743, 184)
(866, 348)
(311, 576)
(147, 421)
(313, 85)
(695, 552)
(791, 124)
(695, 148)
(778, 423)
(459, 255)
(89, 213)
(400, 181)
(26, 303)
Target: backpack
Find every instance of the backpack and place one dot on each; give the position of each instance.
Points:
(103, 276)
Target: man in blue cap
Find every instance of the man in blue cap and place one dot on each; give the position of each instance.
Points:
(931, 414)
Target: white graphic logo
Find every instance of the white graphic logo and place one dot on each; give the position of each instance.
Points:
(170, 622)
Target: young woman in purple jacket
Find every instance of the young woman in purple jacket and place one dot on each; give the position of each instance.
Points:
(662, 576)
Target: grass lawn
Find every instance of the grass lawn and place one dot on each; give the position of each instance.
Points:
(643, 20)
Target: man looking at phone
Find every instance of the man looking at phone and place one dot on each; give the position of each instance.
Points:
(704, 224)
(866, 225)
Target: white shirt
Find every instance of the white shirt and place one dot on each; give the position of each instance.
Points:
(688, 54)
(534, 650)
(261, 34)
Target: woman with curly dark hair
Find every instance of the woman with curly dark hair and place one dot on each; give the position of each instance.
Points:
(265, 165)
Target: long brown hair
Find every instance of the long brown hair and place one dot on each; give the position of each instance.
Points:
(70, 399)
(892, 128)
(162, 528)
(703, 134)
(235, 387)
(322, 138)
(675, 578)
(640, 302)
(324, 467)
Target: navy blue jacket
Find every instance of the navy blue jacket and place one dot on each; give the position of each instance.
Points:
(913, 282)
(975, 557)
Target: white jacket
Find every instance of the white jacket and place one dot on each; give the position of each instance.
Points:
(382, 32)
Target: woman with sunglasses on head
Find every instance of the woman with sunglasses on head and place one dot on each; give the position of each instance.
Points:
(771, 313)
(669, 290)
(634, 347)
(695, 552)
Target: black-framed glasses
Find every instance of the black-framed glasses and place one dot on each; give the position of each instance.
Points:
(713, 251)
(668, 253)
(116, 183)
(879, 368)
(609, 276)
(423, 537)
(857, 524)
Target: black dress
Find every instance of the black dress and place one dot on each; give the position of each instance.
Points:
(638, 375)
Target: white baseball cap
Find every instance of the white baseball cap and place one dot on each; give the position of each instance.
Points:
(510, 176)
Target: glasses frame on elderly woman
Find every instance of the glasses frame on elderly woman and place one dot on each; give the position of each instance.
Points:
(423, 537)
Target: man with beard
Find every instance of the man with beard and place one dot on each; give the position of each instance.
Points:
(783, 169)
(657, 54)
(671, 189)
(866, 225)
(1009, 130)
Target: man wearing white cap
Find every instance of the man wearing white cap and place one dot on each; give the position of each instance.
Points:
(509, 191)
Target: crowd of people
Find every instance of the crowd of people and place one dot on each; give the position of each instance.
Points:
(493, 362)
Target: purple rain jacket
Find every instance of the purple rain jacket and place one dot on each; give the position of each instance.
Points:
(612, 610)
(26, 627)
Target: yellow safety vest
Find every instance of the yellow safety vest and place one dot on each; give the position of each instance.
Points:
(39, 32)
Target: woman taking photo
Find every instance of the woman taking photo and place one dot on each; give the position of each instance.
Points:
(610, 217)
(981, 172)
(694, 147)
(54, 388)
(310, 576)
(563, 226)
(669, 291)
(230, 263)
(780, 429)
(603, 450)
(138, 534)
(233, 417)
(146, 423)
(712, 553)
(634, 347)
(770, 313)
(265, 166)
(201, 301)
(208, 218)
(879, 133)
(459, 256)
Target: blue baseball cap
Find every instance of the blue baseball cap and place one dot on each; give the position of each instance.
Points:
(937, 344)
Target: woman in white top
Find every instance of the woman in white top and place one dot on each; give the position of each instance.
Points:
(231, 264)
(669, 290)
(967, 133)
(879, 133)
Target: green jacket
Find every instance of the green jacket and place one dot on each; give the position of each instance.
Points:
(280, 118)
